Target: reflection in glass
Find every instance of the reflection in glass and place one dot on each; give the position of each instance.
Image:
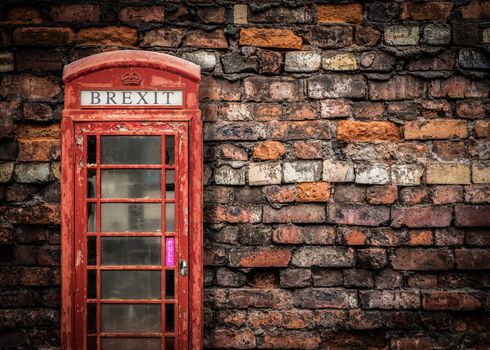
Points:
(91, 284)
(91, 318)
(169, 317)
(91, 343)
(170, 184)
(169, 284)
(126, 217)
(130, 251)
(169, 217)
(130, 318)
(130, 284)
(169, 150)
(92, 250)
(91, 217)
(130, 343)
(169, 343)
(131, 183)
(92, 149)
(130, 150)
(91, 182)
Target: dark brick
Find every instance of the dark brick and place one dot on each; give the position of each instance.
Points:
(422, 259)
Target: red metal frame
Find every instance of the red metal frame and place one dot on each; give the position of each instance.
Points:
(158, 71)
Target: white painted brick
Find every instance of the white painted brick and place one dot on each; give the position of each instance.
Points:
(372, 174)
(260, 174)
(338, 171)
(302, 171)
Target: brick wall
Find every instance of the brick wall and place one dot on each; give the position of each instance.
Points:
(347, 165)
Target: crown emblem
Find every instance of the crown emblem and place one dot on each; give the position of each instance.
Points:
(131, 78)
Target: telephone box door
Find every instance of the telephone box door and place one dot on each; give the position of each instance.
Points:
(131, 235)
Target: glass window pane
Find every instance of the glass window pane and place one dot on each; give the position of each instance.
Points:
(92, 149)
(169, 150)
(127, 217)
(130, 343)
(130, 318)
(91, 182)
(169, 284)
(130, 251)
(91, 343)
(169, 217)
(91, 318)
(169, 343)
(91, 217)
(130, 284)
(91, 284)
(170, 184)
(130, 150)
(169, 317)
(131, 183)
(92, 250)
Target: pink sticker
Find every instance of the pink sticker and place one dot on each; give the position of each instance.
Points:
(169, 251)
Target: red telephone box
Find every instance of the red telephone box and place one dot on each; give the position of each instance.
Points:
(131, 203)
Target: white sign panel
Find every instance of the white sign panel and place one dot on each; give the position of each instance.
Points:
(131, 98)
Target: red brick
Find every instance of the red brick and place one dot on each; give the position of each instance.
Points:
(313, 192)
(260, 257)
(367, 110)
(472, 215)
(446, 194)
(301, 213)
(23, 15)
(145, 14)
(358, 214)
(38, 60)
(449, 151)
(212, 14)
(212, 89)
(270, 62)
(420, 237)
(477, 194)
(471, 110)
(422, 259)
(270, 37)
(268, 150)
(458, 87)
(307, 149)
(478, 237)
(348, 13)
(300, 111)
(234, 214)
(422, 281)
(367, 36)
(450, 301)
(472, 259)
(476, 10)
(297, 319)
(414, 195)
(288, 234)
(264, 319)
(384, 237)
(382, 194)
(418, 343)
(435, 129)
(321, 298)
(400, 87)
(39, 150)
(443, 61)
(414, 217)
(290, 340)
(42, 36)
(34, 276)
(386, 299)
(111, 35)
(450, 236)
(246, 298)
(229, 151)
(280, 194)
(230, 338)
(323, 256)
(426, 11)
(35, 214)
(272, 89)
(353, 236)
(317, 129)
(269, 111)
(75, 13)
(207, 40)
(349, 130)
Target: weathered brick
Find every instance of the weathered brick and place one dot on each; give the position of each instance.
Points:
(234, 214)
(212, 89)
(367, 36)
(426, 216)
(382, 194)
(302, 171)
(407, 175)
(270, 37)
(268, 150)
(437, 34)
(477, 194)
(422, 259)
(6, 171)
(280, 194)
(351, 236)
(318, 234)
(336, 85)
(206, 40)
(290, 339)
(414, 195)
(212, 14)
(448, 173)
(259, 257)
(275, 89)
(480, 173)
(402, 35)
(330, 37)
(358, 214)
(349, 130)
(450, 301)
(42, 36)
(75, 13)
(6, 61)
(334, 108)
(475, 10)
(301, 213)
(29, 86)
(449, 237)
(281, 15)
(426, 11)
(298, 319)
(111, 35)
(349, 193)
(39, 150)
(382, 12)
(227, 175)
(459, 87)
(260, 174)
(240, 14)
(237, 63)
(442, 61)
(246, 298)
(435, 129)
(471, 110)
(313, 192)
(287, 234)
(228, 338)
(472, 215)
(229, 151)
(477, 237)
(263, 319)
(206, 60)
(472, 259)
(270, 61)
(170, 37)
(307, 149)
(344, 61)
(142, 14)
(22, 14)
(400, 87)
(385, 299)
(32, 172)
(321, 298)
(446, 194)
(371, 258)
(348, 13)
(372, 174)
(377, 61)
(302, 61)
(338, 171)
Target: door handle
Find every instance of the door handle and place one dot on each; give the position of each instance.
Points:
(183, 267)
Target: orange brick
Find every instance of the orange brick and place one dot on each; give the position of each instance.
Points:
(268, 150)
(350, 13)
(113, 35)
(355, 237)
(420, 237)
(208, 40)
(435, 129)
(313, 192)
(426, 11)
(270, 37)
(349, 130)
